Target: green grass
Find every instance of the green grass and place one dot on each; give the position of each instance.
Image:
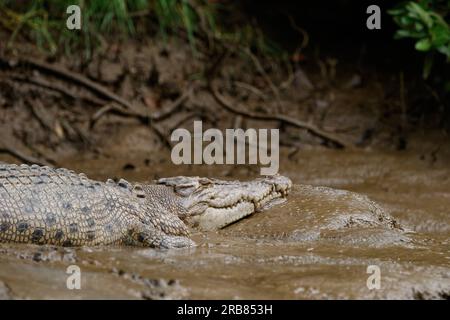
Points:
(43, 21)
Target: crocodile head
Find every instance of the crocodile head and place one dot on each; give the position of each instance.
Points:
(213, 204)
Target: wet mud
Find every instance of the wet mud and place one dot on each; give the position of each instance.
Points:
(347, 211)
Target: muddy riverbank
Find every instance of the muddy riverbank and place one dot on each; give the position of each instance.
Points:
(316, 245)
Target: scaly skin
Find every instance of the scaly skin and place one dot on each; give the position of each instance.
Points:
(42, 205)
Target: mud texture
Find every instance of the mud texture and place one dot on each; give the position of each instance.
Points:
(318, 245)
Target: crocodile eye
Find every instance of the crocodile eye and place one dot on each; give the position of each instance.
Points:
(138, 191)
(204, 181)
(185, 190)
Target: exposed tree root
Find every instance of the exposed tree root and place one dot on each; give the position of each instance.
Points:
(58, 88)
(76, 77)
(23, 157)
(163, 114)
(240, 110)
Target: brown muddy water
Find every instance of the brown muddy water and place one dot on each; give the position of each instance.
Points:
(317, 245)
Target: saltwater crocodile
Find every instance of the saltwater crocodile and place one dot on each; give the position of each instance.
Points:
(42, 205)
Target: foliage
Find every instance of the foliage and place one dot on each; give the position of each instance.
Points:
(44, 22)
(423, 21)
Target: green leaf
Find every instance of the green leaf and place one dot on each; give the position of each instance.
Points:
(396, 11)
(445, 50)
(424, 16)
(400, 34)
(440, 34)
(418, 26)
(423, 45)
(406, 21)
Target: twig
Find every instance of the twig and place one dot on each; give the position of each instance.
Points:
(291, 77)
(40, 114)
(163, 114)
(266, 77)
(162, 136)
(251, 88)
(305, 36)
(100, 112)
(189, 116)
(225, 102)
(117, 109)
(114, 108)
(168, 111)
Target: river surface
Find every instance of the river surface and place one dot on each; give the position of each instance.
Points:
(317, 245)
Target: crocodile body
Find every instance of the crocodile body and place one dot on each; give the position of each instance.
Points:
(42, 205)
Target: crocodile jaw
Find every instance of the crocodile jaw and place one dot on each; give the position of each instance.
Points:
(213, 204)
(217, 218)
